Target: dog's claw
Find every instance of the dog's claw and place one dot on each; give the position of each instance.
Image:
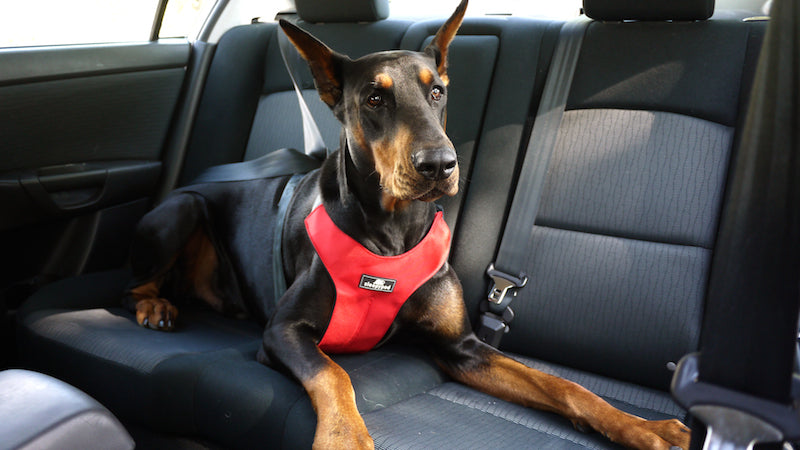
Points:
(145, 323)
(161, 323)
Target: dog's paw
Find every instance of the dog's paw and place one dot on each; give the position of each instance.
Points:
(675, 433)
(156, 313)
(658, 434)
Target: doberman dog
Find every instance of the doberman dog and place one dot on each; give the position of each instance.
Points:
(377, 189)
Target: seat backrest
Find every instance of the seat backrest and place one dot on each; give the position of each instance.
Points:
(248, 107)
(630, 205)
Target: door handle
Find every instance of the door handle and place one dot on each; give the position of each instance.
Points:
(66, 190)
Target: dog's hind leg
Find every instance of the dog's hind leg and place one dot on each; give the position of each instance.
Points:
(171, 242)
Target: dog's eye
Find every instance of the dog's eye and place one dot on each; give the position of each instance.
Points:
(374, 100)
(436, 93)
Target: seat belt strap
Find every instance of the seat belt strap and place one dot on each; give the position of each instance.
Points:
(505, 273)
(741, 384)
(312, 139)
(281, 162)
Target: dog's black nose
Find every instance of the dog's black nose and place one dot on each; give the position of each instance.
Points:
(436, 164)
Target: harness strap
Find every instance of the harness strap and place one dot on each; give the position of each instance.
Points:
(370, 289)
(278, 273)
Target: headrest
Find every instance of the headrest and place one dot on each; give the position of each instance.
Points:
(614, 10)
(342, 10)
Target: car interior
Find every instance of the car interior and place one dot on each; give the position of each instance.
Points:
(619, 261)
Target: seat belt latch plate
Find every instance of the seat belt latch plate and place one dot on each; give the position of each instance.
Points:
(503, 284)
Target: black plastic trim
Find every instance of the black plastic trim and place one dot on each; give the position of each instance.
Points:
(25, 65)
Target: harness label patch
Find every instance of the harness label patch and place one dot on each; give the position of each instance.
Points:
(377, 283)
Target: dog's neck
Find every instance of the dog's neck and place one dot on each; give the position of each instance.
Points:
(354, 199)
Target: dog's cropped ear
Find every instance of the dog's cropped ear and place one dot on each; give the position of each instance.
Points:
(325, 64)
(438, 47)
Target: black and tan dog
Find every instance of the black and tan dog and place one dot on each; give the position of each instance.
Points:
(377, 189)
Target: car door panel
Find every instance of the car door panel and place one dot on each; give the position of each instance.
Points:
(82, 131)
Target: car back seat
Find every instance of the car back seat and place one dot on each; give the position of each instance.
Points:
(624, 237)
(203, 379)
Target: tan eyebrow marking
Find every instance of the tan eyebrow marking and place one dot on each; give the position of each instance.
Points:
(383, 81)
(426, 76)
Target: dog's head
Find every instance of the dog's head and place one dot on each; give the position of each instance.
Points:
(392, 106)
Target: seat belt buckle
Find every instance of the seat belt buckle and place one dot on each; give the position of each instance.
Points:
(503, 284)
(734, 420)
(491, 329)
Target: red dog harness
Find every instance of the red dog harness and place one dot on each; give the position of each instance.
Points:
(370, 289)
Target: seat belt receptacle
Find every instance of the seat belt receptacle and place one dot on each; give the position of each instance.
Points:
(496, 313)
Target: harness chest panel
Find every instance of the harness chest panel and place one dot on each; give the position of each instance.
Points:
(370, 289)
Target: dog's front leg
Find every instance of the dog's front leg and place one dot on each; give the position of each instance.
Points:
(290, 340)
(489, 371)
(440, 315)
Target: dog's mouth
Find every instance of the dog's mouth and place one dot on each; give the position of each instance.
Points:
(436, 190)
(431, 196)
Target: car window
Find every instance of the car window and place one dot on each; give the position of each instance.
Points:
(59, 22)
(184, 18)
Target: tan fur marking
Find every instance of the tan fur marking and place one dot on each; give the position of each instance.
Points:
(392, 204)
(147, 290)
(358, 134)
(393, 164)
(339, 425)
(447, 311)
(201, 262)
(383, 81)
(426, 76)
